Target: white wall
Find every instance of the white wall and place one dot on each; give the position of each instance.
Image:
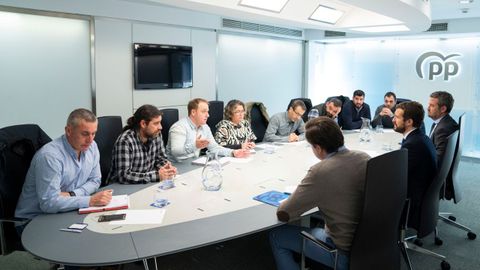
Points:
(259, 69)
(115, 92)
(44, 70)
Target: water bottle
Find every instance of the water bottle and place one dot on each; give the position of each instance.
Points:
(313, 113)
(212, 172)
(365, 130)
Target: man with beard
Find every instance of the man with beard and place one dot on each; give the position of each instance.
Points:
(422, 164)
(440, 105)
(384, 113)
(191, 134)
(353, 111)
(139, 153)
(330, 109)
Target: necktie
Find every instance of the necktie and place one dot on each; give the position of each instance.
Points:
(432, 128)
(403, 141)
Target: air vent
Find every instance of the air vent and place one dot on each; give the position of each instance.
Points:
(334, 34)
(436, 27)
(255, 27)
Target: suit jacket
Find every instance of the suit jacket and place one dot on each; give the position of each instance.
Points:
(350, 118)
(444, 128)
(422, 167)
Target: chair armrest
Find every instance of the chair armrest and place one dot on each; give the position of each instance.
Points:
(320, 243)
(19, 221)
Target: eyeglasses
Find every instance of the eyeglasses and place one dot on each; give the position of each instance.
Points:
(298, 114)
(239, 112)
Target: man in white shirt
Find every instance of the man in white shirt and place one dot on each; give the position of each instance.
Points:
(191, 134)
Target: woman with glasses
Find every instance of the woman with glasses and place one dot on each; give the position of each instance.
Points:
(234, 131)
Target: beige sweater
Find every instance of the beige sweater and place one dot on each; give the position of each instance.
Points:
(336, 186)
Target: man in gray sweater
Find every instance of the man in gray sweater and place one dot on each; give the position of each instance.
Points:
(336, 185)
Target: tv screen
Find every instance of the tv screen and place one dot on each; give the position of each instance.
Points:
(162, 66)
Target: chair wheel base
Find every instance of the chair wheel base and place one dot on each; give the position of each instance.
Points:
(438, 241)
(452, 218)
(471, 235)
(445, 265)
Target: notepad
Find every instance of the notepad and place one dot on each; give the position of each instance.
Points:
(273, 197)
(201, 161)
(118, 202)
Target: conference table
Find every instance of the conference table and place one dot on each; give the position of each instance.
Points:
(195, 217)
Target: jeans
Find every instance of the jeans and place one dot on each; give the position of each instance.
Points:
(286, 240)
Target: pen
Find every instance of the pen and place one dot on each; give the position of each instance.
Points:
(116, 228)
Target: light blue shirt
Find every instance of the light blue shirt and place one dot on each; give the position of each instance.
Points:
(280, 127)
(55, 168)
(181, 140)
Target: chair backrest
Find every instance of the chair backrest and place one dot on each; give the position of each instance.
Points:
(169, 117)
(429, 206)
(109, 128)
(18, 144)
(454, 172)
(215, 110)
(258, 121)
(308, 105)
(375, 244)
(400, 100)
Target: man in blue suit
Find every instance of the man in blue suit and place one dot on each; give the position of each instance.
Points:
(440, 105)
(422, 161)
(353, 111)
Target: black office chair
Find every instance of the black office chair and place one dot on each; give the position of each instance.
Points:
(342, 98)
(375, 244)
(452, 184)
(400, 100)
(109, 128)
(215, 108)
(429, 207)
(258, 117)
(308, 105)
(169, 117)
(18, 144)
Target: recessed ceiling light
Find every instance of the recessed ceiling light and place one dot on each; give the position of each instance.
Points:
(326, 15)
(465, 1)
(270, 5)
(380, 29)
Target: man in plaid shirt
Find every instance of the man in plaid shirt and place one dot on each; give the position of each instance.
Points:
(139, 153)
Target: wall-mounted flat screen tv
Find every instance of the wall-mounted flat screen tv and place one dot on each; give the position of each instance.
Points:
(162, 66)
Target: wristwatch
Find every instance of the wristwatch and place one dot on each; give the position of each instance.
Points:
(72, 194)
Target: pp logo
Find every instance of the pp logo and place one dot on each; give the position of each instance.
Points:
(437, 68)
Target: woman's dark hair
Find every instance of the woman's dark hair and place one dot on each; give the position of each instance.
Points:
(145, 112)
(230, 108)
(324, 132)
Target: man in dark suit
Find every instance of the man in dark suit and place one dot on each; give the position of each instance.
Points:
(353, 111)
(440, 104)
(422, 164)
(384, 113)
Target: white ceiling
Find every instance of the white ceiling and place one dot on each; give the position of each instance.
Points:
(415, 14)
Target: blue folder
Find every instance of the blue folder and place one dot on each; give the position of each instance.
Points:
(271, 197)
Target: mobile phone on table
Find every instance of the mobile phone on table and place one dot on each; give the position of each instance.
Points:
(105, 218)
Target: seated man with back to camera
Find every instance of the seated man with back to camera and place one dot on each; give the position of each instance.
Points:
(284, 125)
(336, 185)
(331, 108)
(354, 110)
(191, 134)
(65, 173)
(234, 131)
(384, 113)
(139, 154)
(422, 164)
